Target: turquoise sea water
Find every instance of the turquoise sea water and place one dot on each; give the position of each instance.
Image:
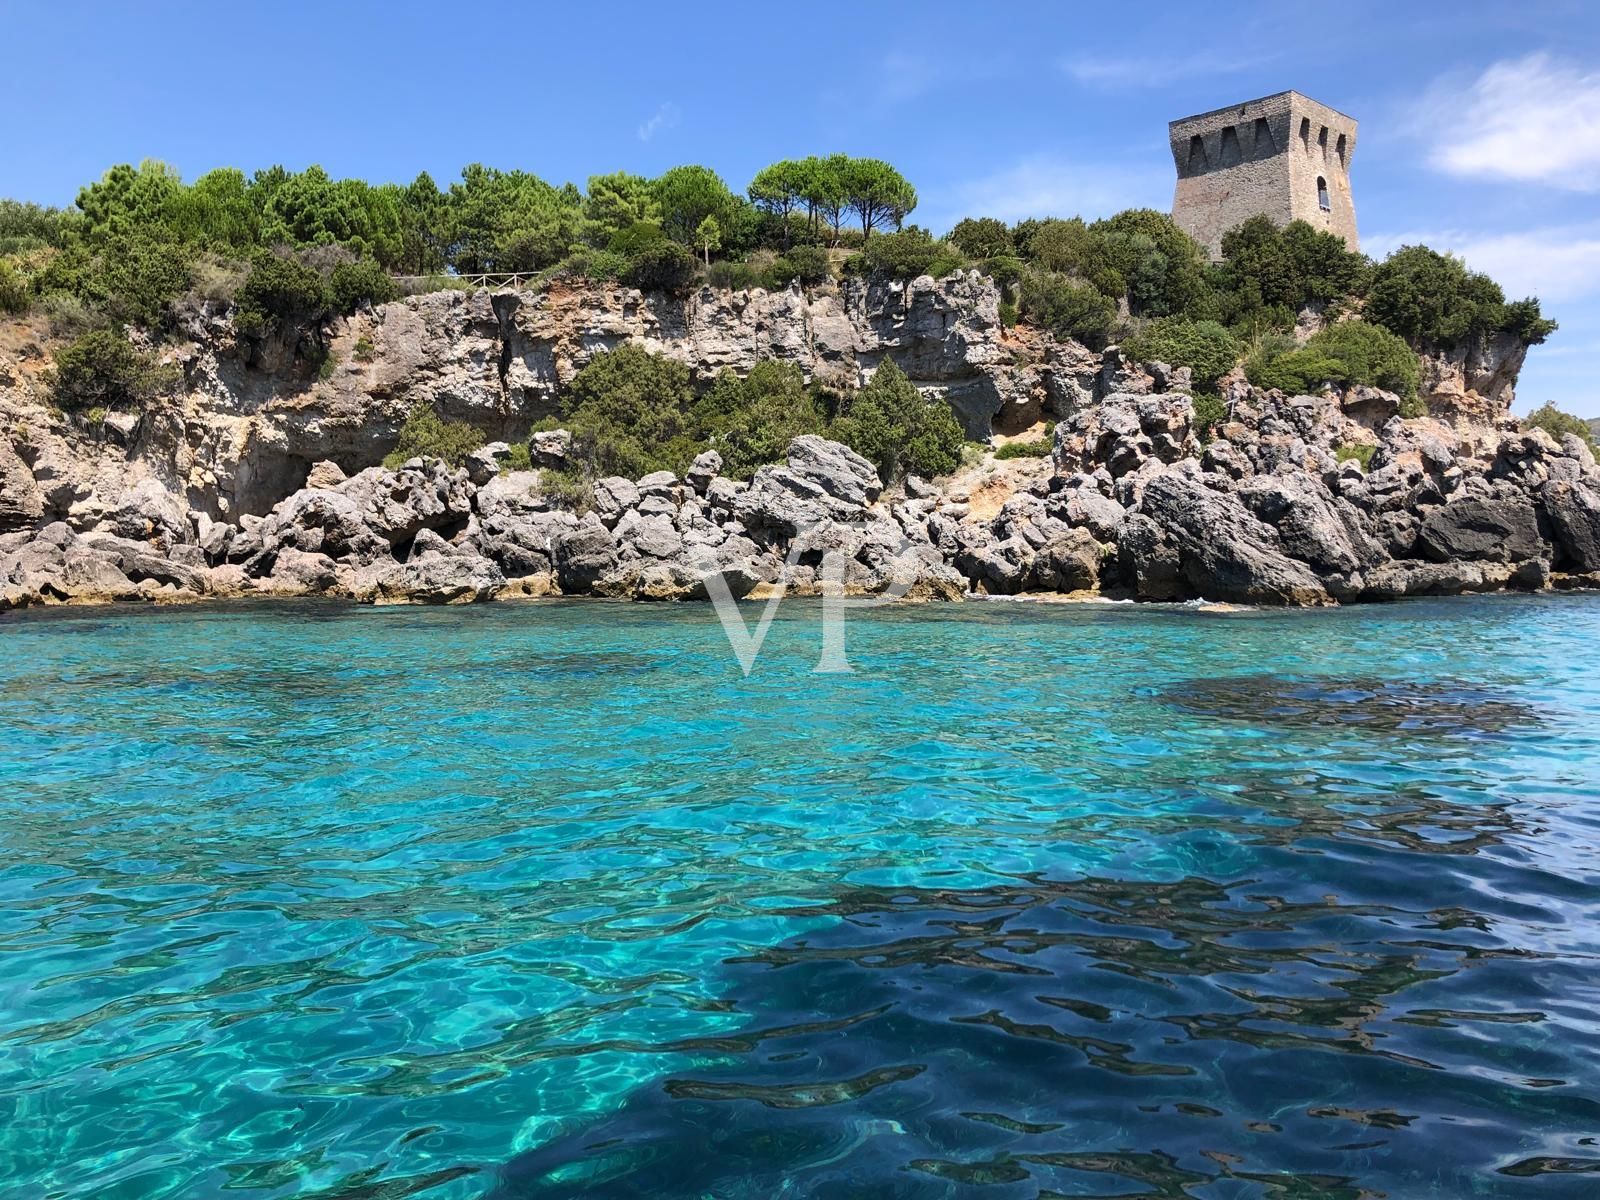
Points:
(550, 900)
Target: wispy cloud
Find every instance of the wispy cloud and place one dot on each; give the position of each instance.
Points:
(665, 117)
(1116, 74)
(1045, 186)
(1556, 263)
(1534, 119)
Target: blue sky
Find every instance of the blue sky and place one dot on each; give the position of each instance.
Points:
(1480, 123)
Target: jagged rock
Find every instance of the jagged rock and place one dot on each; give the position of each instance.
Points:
(1481, 530)
(21, 501)
(550, 447)
(1574, 512)
(483, 464)
(835, 468)
(149, 512)
(433, 579)
(299, 572)
(613, 496)
(325, 475)
(582, 555)
(706, 466)
(1068, 562)
(1225, 552)
(1312, 525)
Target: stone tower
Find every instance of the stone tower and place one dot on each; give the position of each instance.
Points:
(1284, 156)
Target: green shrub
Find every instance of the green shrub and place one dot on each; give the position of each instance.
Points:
(735, 276)
(1349, 352)
(982, 237)
(1038, 449)
(364, 350)
(1370, 355)
(1555, 422)
(808, 264)
(906, 254)
(629, 413)
(896, 428)
(1068, 308)
(661, 266)
(520, 459)
(16, 292)
(362, 282)
(1294, 372)
(428, 435)
(1205, 347)
(102, 369)
(1210, 410)
(280, 294)
(1428, 297)
(1356, 452)
(751, 421)
(567, 488)
(1008, 314)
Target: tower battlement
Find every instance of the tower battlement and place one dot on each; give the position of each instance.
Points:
(1283, 156)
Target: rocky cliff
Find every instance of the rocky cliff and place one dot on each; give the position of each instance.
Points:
(256, 478)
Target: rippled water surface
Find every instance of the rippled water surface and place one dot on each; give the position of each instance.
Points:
(550, 900)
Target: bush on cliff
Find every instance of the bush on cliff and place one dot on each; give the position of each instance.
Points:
(905, 254)
(1370, 355)
(983, 237)
(629, 413)
(1205, 347)
(662, 266)
(280, 294)
(1349, 352)
(428, 435)
(751, 421)
(102, 369)
(1067, 307)
(892, 425)
(362, 282)
(1431, 298)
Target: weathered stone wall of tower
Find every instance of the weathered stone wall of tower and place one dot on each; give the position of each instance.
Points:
(1263, 157)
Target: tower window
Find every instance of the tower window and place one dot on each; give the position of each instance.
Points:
(1322, 141)
(1197, 153)
(1305, 132)
(1322, 195)
(1340, 149)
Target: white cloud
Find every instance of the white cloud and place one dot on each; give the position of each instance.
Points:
(1534, 119)
(664, 117)
(1122, 73)
(1042, 186)
(1555, 263)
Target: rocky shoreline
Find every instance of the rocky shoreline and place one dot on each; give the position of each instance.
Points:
(1294, 500)
(1130, 504)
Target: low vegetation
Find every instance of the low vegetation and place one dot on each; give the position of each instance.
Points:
(103, 370)
(1555, 422)
(428, 435)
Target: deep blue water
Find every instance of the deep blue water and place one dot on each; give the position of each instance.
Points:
(550, 900)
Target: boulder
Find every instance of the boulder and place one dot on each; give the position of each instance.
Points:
(582, 555)
(550, 447)
(434, 579)
(1225, 552)
(706, 466)
(1574, 513)
(835, 469)
(1474, 530)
